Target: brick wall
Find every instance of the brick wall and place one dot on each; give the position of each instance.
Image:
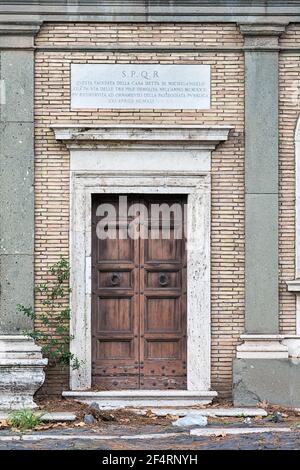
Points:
(52, 105)
(289, 111)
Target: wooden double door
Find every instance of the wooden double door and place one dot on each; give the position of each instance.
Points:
(138, 295)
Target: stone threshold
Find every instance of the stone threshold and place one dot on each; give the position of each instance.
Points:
(210, 412)
(202, 432)
(57, 416)
(67, 416)
(88, 437)
(143, 398)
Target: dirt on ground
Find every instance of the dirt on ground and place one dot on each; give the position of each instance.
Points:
(126, 417)
(102, 417)
(53, 404)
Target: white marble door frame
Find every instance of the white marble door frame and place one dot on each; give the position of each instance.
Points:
(113, 162)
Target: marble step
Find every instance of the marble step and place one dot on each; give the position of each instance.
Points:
(142, 398)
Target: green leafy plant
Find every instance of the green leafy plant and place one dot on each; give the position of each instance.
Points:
(24, 419)
(52, 330)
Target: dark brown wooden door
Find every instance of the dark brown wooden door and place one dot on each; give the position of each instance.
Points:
(139, 298)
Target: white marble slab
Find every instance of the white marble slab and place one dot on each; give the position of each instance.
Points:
(137, 86)
(212, 412)
(47, 416)
(225, 431)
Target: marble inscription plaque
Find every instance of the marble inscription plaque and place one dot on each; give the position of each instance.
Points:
(137, 86)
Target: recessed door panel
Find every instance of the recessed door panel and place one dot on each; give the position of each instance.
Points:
(114, 315)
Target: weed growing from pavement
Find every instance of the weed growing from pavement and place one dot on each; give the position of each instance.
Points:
(24, 419)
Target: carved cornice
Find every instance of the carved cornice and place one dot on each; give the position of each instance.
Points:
(94, 136)
(23, 29)
(264, 29)
(152, 10)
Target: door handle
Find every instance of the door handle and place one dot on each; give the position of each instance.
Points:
(115, 279)
(163, 279)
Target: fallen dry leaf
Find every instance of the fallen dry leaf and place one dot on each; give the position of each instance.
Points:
(171, 417)
(257, 418)
(79, 425)
(4, 423)
(125, 420)
(50, 426)
(262, 404)
(221, 434)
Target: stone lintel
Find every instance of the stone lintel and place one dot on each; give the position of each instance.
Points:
(204, 137)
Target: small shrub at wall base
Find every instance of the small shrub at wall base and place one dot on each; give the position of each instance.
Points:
(52, 332)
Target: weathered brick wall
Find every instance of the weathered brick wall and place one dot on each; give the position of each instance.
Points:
(289, 111)
(52, 105)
